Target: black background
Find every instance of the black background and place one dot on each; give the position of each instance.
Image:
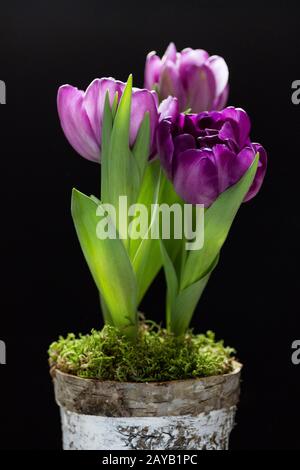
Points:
(46, 290)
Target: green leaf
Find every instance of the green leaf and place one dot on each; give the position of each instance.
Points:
(217, 222)
(169, 197)
(172, 284)
(108, 319)
(141, 149)
(115, 105)
(105, 148)
(109, 264)
(145, 251)
(186, 302)
(180, 305)
(149, 268)
(121, 174)
(119, 152)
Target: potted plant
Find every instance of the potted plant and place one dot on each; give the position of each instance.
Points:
(134, 384)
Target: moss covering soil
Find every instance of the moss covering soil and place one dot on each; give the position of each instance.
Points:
(156, 355)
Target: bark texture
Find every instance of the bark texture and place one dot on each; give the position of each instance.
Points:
(120, 399)
(207, 431)
(182, 414)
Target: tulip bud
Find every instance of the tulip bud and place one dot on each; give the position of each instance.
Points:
(81, 114)
(197, 80)
(204, 154)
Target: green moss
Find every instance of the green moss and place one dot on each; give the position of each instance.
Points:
(155, 356)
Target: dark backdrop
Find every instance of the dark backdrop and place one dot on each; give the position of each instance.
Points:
(46, 290)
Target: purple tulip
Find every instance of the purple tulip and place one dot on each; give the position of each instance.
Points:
(81, 114)
(204, 154)
(199, 81)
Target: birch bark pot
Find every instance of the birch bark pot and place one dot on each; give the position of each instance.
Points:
(195, 414)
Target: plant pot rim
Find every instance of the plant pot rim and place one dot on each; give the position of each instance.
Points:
(237, 367)
(169, 398)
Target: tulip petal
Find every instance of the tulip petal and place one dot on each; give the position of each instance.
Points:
(196, 176)
(242, 123)
(183, 142)
(201, 88)
(260, 173)
(94, 100)
(189, 59)
(75, 122)
(221, 100)
(170, 84)
(152, 70)
(168, 108)
(229, 133)
(224, 159)
(194, 56)
(221, 73)
(170, 54)
(165, 145)
(241, 163)
(142, 101)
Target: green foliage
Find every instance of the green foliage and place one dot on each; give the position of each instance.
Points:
(144, 252)
(156, 355)
(187, 282)
(108, 263)
(122, 268)
(217, 222)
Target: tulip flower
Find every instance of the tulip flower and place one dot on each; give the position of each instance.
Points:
(204, 154)
(81, 114)
(199, 81)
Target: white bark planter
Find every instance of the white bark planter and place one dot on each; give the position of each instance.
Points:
(195, 414)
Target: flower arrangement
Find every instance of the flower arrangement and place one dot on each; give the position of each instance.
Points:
(174, 144)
